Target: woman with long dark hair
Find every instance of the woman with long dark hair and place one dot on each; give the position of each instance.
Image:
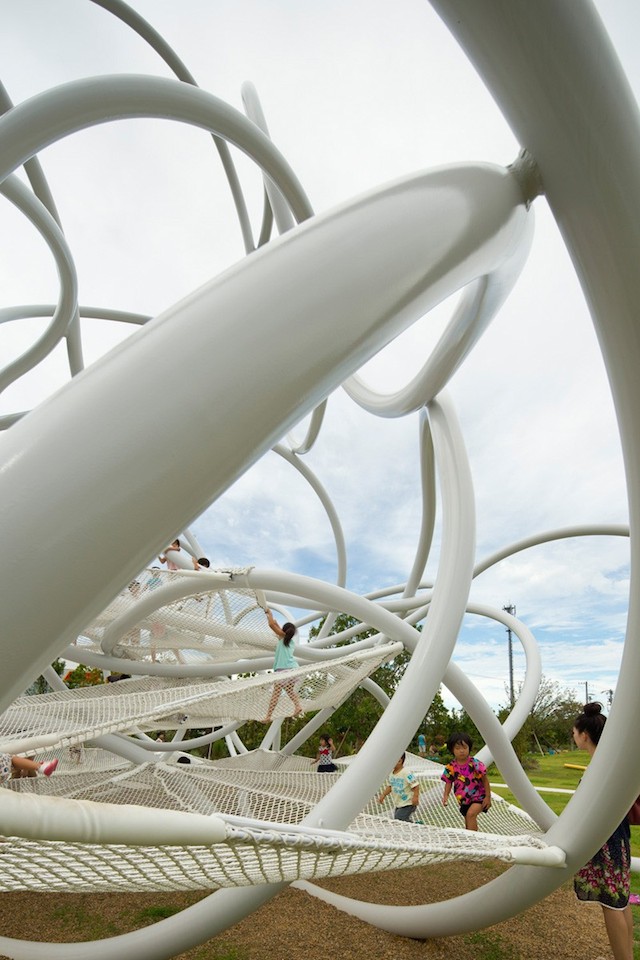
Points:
(605, 878)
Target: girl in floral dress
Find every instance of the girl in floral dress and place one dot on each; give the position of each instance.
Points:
(468, 777)
(605, 878)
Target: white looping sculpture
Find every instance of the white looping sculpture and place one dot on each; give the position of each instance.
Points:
(354, 301)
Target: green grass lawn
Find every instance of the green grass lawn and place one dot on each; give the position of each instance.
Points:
(552, 772)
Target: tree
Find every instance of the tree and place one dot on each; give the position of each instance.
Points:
(551, 718)
(462, 722)
(437, 721)
(355, 719)
(40, 685)
(83, 676)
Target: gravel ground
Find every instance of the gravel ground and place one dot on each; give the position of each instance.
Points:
(297, 926)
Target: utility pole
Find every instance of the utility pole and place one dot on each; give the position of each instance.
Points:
(510, 608)
(586, 691)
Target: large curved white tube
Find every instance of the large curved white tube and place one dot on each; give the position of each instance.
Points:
(529, 55)
(30, 744)
(38, 181)
(547, 536)
(144, 29)
(421, 679)
(338, 535)
(350, 307)
(253, 108)
(49, 116)
(85, 821)
(479, 304)
(428, 516)
(15, 191)
(592, 151)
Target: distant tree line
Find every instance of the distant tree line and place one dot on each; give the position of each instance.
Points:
(548, 726)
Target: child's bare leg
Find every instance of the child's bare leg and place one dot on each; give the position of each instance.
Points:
(23, 766)
(619, 932)
(471, 816)
(291, 690)
(274, 699)
(17, 774)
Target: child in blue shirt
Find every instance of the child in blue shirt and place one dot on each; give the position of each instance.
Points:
(405, 789)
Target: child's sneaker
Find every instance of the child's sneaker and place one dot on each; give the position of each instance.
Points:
(48, 767)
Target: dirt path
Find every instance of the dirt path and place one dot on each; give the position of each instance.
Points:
(296, 926)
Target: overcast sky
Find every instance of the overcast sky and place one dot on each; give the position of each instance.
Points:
(355, 93)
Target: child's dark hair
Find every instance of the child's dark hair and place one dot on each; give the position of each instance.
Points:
(289, 633)
(326, 737)
(460, 737)
(591, 721)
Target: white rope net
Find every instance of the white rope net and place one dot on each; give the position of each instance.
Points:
(218, 623)
(263, 796)
(254, 852)
(155, 703)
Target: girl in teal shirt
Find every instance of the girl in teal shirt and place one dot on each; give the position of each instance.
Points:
(283, 660)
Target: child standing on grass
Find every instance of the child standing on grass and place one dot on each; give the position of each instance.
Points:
(469, 780)
(405, 789)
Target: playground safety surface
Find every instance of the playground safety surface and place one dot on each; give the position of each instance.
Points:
(295, 926)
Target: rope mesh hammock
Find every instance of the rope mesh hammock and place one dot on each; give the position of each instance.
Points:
(260, 785)
(258, 802)
(153, 703)
(254, 851)
(219, 622)
(262, 798)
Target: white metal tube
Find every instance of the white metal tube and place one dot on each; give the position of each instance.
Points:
(87, 821)
(325, 500)
(537, 59)
(428, 517)
(350, 307)
(15, 191)
(547, 536)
